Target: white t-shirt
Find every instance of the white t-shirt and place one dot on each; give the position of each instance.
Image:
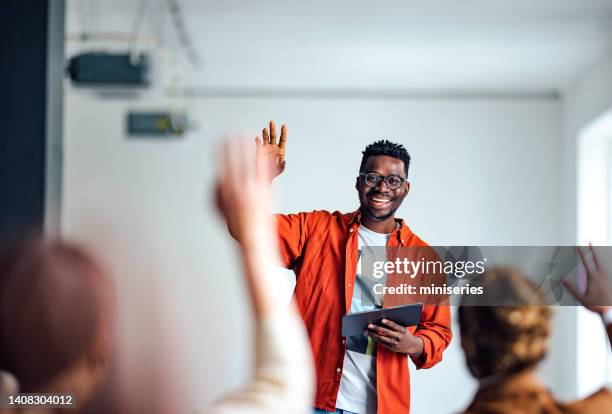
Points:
(357, 392)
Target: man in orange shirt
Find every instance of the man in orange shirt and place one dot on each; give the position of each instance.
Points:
(355, 374)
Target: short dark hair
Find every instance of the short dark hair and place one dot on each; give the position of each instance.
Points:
(386, 147)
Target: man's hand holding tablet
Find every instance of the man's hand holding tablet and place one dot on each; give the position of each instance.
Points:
(388, 326)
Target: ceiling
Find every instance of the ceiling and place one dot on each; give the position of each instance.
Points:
(442, 46)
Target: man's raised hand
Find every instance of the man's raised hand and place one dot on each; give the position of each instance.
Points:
(270, 150)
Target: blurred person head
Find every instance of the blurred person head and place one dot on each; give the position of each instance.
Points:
(380, 198)
(56, 313)
(510, 334)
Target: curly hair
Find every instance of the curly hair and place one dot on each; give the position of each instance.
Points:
(504, 337)
(386, 147)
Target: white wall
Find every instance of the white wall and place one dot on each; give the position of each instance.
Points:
(484, 171)
(588, 97)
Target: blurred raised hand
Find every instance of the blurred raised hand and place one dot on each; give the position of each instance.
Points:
(243, 197)
(243, 186)
(283, 380)
(598, 294)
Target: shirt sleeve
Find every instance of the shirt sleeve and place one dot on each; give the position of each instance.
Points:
(435, 330)
(284, 379)
(293, 231)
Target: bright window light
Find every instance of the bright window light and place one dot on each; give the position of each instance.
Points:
(594, 211)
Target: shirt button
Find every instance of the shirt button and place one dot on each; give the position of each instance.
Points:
(350, 284)
(351, 230)
(344, 341)
(338, 370)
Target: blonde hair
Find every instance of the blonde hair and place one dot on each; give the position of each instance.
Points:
(509, 333)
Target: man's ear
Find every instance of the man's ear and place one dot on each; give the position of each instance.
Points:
(407, 187)
(357, 183)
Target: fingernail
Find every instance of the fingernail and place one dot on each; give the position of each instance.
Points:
(370, 326)
(384, 321)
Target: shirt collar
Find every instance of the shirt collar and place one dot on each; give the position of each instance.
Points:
(401, 232)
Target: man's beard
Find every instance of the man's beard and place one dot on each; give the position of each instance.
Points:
(365, 211)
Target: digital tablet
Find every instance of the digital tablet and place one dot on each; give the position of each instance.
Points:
(406, 315)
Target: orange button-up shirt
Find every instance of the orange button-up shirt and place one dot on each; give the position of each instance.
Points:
(322, 249)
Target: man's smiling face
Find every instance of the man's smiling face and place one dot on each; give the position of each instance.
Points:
(380, 202)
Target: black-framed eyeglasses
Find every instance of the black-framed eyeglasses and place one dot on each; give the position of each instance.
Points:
(372, 180)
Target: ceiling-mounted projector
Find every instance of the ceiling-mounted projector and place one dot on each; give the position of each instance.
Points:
(110, 69)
